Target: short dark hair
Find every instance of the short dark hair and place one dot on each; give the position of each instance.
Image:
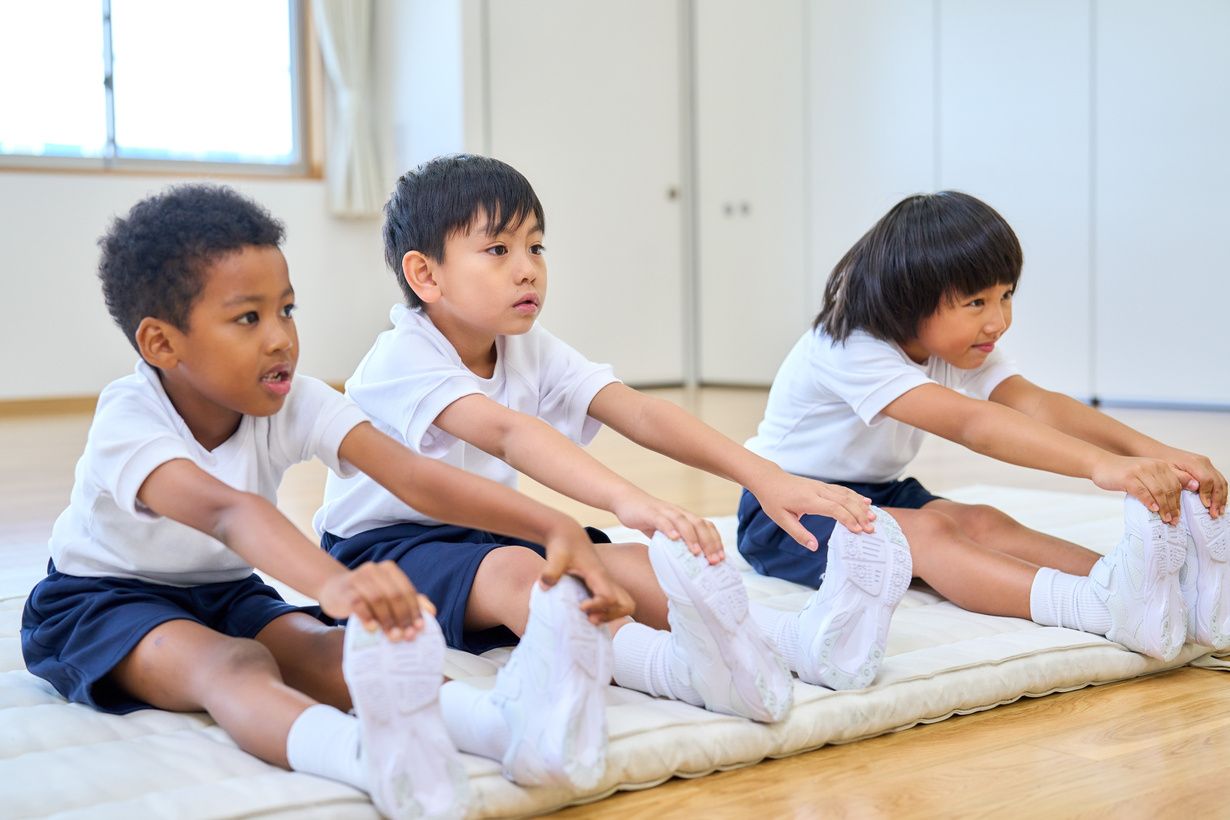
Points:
(929, 248)
(154, 259)
(444, 196)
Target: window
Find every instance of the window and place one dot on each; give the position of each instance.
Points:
(135, 83)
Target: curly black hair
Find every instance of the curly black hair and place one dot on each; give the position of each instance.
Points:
(444, 196)
(154, 259)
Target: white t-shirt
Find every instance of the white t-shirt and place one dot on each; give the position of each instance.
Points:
(413, 372)
(107, 532)
(823, 416)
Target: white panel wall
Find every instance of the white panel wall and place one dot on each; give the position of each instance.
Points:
(57, 338)
(752, 217)
(872, 118)
(585, 101)
(1014, 127)
(1163, 201)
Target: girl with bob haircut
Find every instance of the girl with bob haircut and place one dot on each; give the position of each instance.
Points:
(907, 343)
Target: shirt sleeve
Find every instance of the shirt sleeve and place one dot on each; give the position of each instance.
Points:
(566, 383)
(406, 381)
(314, 421)
(982, 380)
(130, 438)
(864, 372)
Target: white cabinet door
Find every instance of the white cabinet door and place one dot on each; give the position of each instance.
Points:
(585, 101)
(1014, 122)
(752, 221)
(1162, 159)
(872, 118)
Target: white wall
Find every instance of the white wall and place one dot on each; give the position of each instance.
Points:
(57, 338)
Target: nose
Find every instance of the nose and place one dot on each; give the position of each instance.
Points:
(526, 268)
(281, 336)
(999, 319)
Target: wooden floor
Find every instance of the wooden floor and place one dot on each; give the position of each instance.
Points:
(1151, 747)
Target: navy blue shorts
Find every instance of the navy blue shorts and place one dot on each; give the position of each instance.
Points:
(771, 551)
(75, 630)
(441, 560)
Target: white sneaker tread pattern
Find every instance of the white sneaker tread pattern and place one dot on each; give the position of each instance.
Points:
(414, 768)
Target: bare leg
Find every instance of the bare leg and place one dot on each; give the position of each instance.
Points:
(969, 574)
(183, 666)
(309, 656)
(500, 595)
(999, 531)
(629, 565)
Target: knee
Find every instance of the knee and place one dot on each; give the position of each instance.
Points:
(929, 531)
(510, 568)
(981, 521)
(239, 658)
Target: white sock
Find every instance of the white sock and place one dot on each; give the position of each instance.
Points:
(325, 741)
(643, 661)
(1059, 599)
(474, 722)
(781, 628)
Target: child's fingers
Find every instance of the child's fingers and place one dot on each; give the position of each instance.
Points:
(797, 531)
(390, 596)
(556, 565)
(425, 604)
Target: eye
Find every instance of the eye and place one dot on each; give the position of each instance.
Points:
(249, 318)
(977, 303)
(289, 310)
(537, 249)
(497, 250)
(1009, 294)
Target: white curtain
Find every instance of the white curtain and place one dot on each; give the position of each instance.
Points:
(352, 158)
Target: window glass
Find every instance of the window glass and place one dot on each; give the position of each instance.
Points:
(52, 98)
(203, 81)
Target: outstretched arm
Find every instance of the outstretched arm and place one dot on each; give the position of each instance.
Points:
(1065, 414)
(448, 494)
(378, 593)
(670, 430)
(537, 449)
(1009, 435)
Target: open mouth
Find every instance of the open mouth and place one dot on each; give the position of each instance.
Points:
(278, 379)
(528, 303)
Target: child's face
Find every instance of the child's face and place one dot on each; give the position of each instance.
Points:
(963, 332)
(240, 349)
(489, 285)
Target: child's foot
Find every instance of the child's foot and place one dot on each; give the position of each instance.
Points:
(552, 692)
(1206, 575)
(720, 650)
(843, 630)
(413, 767)
(1139, 582)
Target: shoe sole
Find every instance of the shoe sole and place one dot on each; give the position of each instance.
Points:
(873, 571)
(751, 679)
(395, 686)
(562, 739)
(1165, 549)
(1209, 614)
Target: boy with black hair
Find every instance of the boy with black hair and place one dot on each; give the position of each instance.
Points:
(466, 376)
(151, 600)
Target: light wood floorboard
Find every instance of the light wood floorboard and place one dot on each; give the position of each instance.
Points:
(1151, 747)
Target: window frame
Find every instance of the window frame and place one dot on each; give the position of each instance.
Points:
(305, 164)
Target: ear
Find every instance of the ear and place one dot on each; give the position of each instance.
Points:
(156, 339)
(420, 273)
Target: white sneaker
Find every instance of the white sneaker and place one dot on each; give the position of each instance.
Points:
(718, 649)
(552, 692)
(843, 630)
(1206, 575)
(413, 767)
(1139, 583)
